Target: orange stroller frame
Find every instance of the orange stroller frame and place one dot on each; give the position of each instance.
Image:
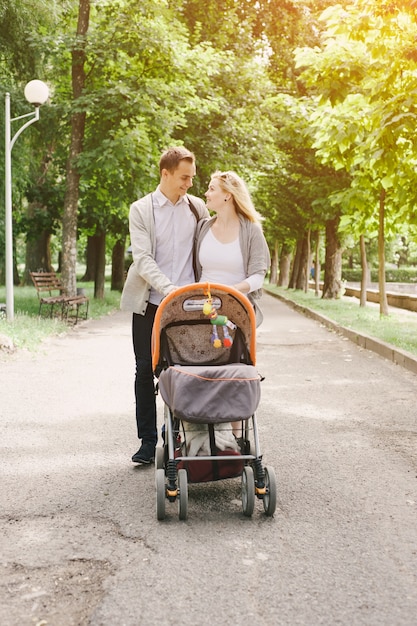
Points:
(204, 356)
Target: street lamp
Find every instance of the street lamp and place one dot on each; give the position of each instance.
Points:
(37, 93)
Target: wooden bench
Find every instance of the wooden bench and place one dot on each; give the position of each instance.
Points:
(49, 282)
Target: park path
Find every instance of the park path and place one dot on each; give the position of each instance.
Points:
(80, 543)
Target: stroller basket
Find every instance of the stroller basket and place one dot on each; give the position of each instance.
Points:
(211, 394)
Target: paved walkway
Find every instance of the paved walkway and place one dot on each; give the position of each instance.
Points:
(80, 543)
(386, 350)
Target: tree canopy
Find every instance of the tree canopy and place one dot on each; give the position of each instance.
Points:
(312, 103)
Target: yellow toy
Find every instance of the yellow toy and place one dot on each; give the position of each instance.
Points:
(218, 320)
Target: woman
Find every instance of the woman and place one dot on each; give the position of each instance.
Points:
(231, 247)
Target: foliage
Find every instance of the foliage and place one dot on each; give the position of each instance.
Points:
(314, 133)
(393, 275)
(364, 79)
(364, 75)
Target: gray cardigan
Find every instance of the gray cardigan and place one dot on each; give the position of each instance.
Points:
(255, 253)
(144, 271)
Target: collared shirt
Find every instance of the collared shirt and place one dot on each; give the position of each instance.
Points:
(174, 228)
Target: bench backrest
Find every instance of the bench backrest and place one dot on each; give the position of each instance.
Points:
(46, 281)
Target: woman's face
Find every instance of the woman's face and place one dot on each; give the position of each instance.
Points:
(215, 195)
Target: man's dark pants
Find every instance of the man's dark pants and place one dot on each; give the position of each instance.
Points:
(144, 380)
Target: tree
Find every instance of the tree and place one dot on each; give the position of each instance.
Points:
(69, 221)
(221, 78)
(297, 189)
(21, 59)
(365, 66)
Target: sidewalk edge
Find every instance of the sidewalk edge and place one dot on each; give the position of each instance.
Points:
(385, 350)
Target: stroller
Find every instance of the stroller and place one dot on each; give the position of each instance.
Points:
(203, 355)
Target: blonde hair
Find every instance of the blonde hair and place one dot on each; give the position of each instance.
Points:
(231, 183)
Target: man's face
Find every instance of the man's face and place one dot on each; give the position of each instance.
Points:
(177, 183)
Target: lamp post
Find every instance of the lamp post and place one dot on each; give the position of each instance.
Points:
(36, 93)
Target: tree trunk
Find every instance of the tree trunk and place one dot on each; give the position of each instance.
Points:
(333, 261)
(91, 259)
(303, 266)
(273, 276)
(364, 277)
(284, 265)
(38, 255)
(100, 275)
(383, 302)
(308, 260)
(296, 266)
(69, 221)
(118, 266)
(16, 277)
(317, 268)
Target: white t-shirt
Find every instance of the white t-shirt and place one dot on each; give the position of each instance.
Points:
(223, 263)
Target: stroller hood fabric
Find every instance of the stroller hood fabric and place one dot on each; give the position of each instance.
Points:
(182, 332)
(210, 394)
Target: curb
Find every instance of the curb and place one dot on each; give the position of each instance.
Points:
(385, 350)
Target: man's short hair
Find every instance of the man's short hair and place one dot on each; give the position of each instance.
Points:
(171, 158)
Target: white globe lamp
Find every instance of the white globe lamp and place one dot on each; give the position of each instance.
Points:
(36, 92)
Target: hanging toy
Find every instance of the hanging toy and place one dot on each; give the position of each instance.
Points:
(215, 340)
(227, 341)
(208, 306)
(218, 320)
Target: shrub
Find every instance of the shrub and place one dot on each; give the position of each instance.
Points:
(392, 275)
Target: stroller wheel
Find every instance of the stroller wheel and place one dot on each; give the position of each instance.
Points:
(248, 491)
(159, 458)
(160, 494)
(270, 497)
(183, 494)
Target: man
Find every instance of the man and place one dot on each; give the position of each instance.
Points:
(162, 227)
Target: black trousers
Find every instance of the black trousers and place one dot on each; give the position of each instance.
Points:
(144, 381)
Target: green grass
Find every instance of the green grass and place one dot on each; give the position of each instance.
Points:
(28, 330)
(399, 328)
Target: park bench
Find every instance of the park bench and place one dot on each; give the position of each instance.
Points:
(50, 283)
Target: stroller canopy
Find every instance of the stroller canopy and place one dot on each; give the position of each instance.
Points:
(183, 331)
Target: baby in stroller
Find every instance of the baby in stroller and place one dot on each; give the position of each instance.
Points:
(203, 349)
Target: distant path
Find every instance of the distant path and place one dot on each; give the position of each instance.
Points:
(399, 295)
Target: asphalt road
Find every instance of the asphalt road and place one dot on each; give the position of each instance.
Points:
(80, 543)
